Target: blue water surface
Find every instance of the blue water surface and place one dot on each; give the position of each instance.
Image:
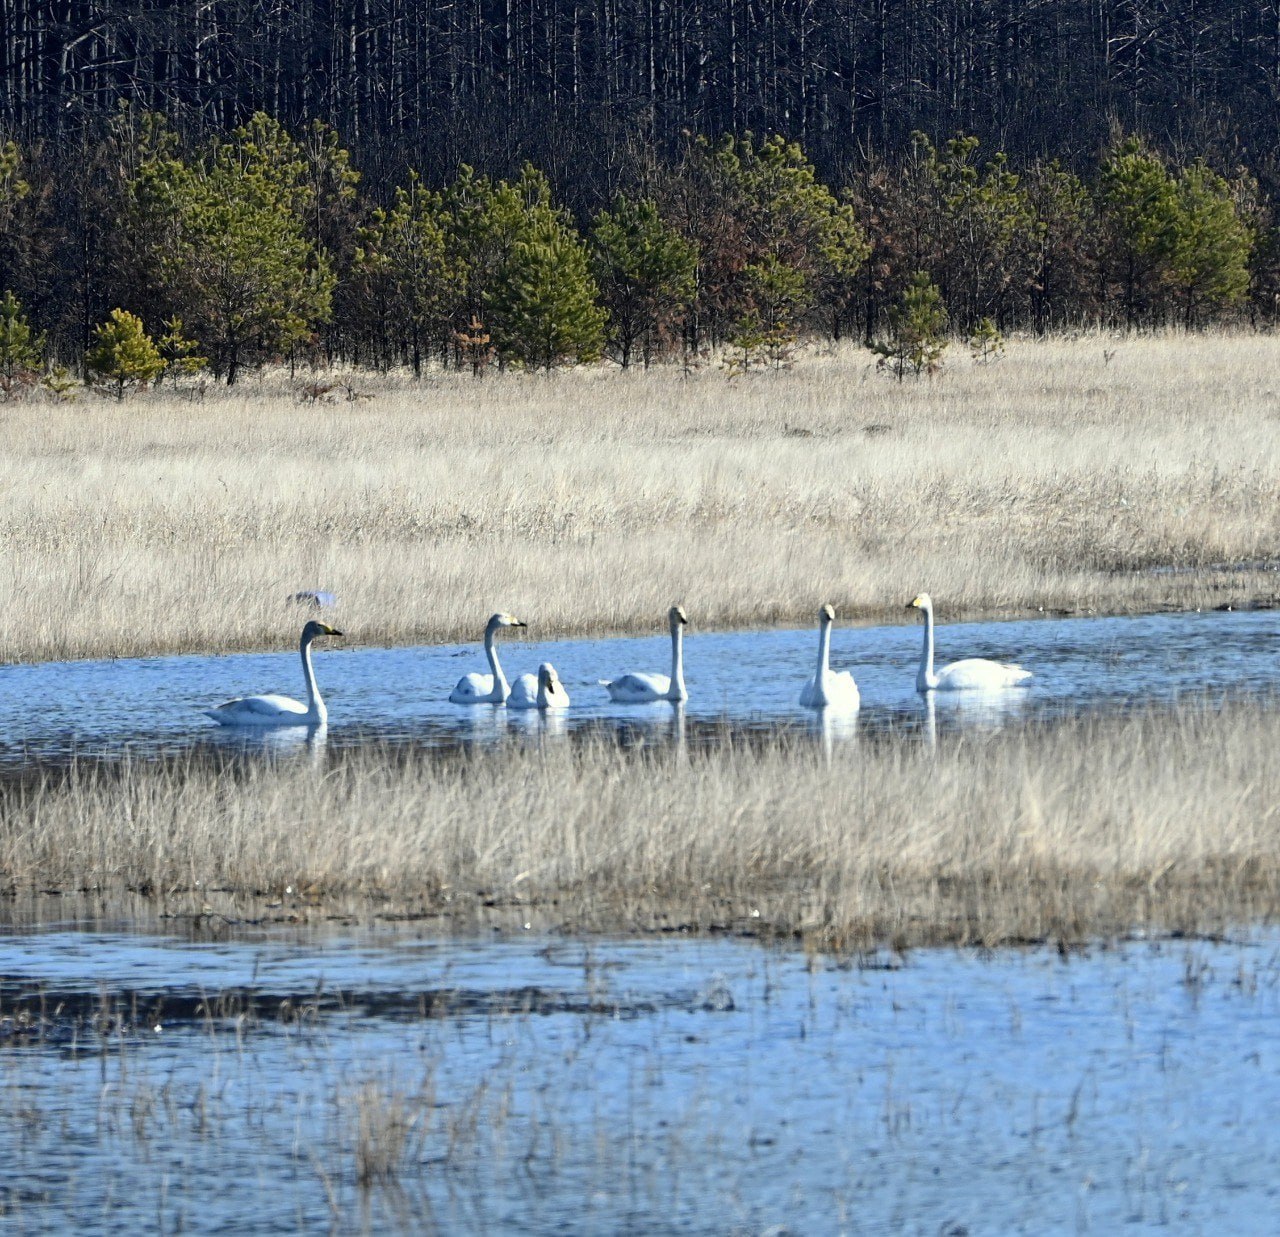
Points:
(743, 678)
(675, 1086)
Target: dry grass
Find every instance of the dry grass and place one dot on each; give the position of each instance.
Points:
(1068, 832)
(590, 500)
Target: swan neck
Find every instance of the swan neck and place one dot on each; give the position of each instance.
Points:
(677, 691)
(501, 689)
(926, 679)
(824, 661)
(315, 705)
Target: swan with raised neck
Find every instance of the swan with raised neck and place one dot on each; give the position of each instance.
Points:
(970, 674)
(281, 710)
(641, 688)
(491, 688)
(828, 688)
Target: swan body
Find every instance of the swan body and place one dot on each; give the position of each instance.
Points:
(490, 688)
(541, 691)
(971, 674)
(281, 710)
(828, 688)
(645, 688)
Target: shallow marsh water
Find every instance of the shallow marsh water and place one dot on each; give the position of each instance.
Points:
(389, 1079)
(741, 679)
(539, 1085)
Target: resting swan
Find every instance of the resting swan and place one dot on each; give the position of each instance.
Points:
(828, 688)
(644, 688)
(971, 674)
(487, 688)
(280, 710)
(541, 691)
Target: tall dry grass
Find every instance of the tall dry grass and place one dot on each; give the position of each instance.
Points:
(592, 499)
(1077, 830)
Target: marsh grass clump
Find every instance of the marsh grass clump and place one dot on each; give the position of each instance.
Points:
(1062, 831)
(390, 1125)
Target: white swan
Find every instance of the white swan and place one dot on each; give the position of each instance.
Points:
(643, 688)
(487, 688)
(971, 674)
(828, 688)
(539, 691)
(280, 710)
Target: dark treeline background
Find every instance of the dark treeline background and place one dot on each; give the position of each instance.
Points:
(289, 177)
(574, 85)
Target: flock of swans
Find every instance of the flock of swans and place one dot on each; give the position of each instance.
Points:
(825, 689)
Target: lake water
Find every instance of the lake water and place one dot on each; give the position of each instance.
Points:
(743, 679)
(390, 1079)
(397, 1081)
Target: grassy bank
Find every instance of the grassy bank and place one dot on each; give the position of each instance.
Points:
(1078, 830)
(589, 501)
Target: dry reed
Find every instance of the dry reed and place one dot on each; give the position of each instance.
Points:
(1081, 829)
(590, 500)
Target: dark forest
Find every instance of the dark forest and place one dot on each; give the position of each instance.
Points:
(576, 87)
(389, 183)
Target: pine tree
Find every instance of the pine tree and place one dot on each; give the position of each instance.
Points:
(406, 270)
(1211, 247)
(646, 273)
(542, 307)
(984, 214)
(766, 332)
(522, 270)
(1137, 199)
(21, 351)
(917, 330)
(484, 222)
(227, 244)
(123, 354)
(749, 205)
(1064, 265)
(181, 360)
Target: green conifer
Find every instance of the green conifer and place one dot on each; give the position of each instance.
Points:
(123, 354)
(21, 351)
(646, 273)
(917, 330)
(543, 306)
(1211, 247)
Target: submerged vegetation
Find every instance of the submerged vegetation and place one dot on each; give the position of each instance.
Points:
(1064, 832)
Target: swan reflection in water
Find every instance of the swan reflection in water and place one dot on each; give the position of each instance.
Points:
(659, 723)
(971, 712)
(977, 710)
(538, 723)
(281, 742)
(833, 726)
(481, 723)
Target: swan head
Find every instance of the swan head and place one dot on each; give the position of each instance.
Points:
(504, 620)
(676, 616)
(827, 614)
(547, 676)
(921, 602)
(314, 629)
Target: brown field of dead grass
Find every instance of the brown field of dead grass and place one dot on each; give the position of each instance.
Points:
(1067, 832)
(588, 501)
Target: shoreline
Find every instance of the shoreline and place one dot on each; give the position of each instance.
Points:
(864, 618)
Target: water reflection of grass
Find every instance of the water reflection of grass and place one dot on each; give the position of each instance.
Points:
(596, 500)
(1058, 832)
